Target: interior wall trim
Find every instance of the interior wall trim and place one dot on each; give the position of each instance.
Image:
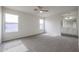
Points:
(24, 37)
(70, 35)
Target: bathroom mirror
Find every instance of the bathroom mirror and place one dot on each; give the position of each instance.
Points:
(69, 22)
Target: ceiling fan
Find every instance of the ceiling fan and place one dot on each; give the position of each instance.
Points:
(41, 9)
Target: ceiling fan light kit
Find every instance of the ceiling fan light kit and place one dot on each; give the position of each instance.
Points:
(40, 9)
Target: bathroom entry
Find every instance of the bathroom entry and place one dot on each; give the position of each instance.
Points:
(69, 24)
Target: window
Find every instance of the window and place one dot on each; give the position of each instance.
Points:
(41, 24)
(11, 23)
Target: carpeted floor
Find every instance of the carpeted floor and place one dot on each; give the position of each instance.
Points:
(42, 43)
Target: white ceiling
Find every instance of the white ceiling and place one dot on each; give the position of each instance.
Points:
(51, 9)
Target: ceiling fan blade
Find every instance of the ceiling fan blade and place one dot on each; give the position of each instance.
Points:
(45, 10)
(39, 7)
(35, 9)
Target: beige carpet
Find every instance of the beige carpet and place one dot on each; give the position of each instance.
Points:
(42, 43)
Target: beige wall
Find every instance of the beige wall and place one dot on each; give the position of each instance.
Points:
(28, 25)
(53, 24)
(0, 23)
(78, 28)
